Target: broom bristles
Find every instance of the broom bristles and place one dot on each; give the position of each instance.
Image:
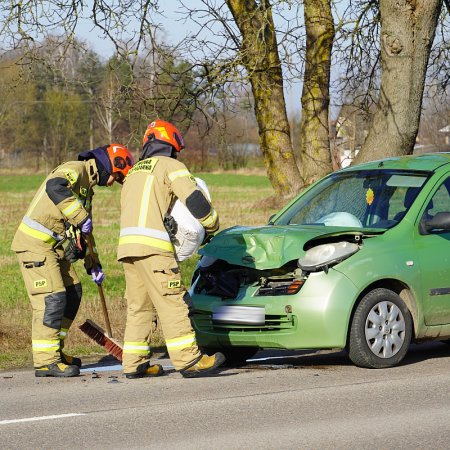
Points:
(97, 334)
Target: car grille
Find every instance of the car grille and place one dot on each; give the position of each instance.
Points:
(203, 321)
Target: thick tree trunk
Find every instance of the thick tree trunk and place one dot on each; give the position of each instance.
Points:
(407, 34)
(260, 57)
(314, 133)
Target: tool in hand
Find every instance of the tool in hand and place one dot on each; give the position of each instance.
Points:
(95, 332)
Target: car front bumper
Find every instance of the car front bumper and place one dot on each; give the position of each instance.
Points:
(316, 317)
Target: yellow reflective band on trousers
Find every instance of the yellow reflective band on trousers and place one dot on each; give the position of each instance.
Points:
(63, 333)
(44, 237)
(179, 173)
(144, 240)
(181, 342)
(209, 220)
(72, 208)
(43, 345)
(136, 348)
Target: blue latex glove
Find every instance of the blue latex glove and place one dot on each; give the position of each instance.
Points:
(97, 275)
(87, 226)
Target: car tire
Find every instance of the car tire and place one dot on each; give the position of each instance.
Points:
(235, 356)
(381, 330)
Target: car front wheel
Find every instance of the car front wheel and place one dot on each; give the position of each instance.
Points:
(381, 330)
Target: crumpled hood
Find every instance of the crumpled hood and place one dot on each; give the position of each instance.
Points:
(268, 247)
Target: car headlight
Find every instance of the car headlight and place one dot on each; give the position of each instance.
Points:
(206, 261)
(326, 255)
(203, 263)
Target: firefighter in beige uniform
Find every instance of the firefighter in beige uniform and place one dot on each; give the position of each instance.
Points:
(62, 203)
(151, 271)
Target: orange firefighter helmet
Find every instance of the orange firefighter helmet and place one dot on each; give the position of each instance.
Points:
(121, 159)
(165, 132)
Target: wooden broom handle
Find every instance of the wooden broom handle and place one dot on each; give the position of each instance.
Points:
(100, 289)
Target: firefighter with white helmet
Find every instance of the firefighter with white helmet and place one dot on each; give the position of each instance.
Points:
(152, 275)
(50, 238)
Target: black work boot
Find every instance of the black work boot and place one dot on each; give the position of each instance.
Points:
(146, 370)
(57, 369)
(70, 360)
(204, 365)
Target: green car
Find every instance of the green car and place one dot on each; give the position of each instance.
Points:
(359, 261)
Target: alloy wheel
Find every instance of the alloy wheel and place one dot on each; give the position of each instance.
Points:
(385, 329)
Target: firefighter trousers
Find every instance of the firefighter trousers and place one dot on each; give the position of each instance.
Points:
(155, 282)
(55, 292)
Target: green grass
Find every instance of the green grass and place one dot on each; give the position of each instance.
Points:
(233, 180)
(17, 358)
(12, 183)
(234, 196)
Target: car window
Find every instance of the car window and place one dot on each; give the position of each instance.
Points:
(440, 201)
(396, 203)
(336, 197)
(375, 199)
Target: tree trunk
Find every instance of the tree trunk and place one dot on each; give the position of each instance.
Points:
(407, 33)
(314, 132)
(259, 53)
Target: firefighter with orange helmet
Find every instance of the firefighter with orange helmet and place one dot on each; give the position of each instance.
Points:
(50, 238)
(152, 275)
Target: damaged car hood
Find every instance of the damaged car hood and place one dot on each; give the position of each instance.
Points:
(268, 247)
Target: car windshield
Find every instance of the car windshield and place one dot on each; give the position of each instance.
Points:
(357, 199)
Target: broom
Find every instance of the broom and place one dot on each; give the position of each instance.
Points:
(95, 332)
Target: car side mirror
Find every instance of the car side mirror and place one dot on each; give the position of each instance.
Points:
(269, 222)
(441, 221)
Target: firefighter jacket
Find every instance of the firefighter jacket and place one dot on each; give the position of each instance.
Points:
(148, 193)
(64, 197)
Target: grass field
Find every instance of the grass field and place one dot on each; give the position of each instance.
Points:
(236, 197)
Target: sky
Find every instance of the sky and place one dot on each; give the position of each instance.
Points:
(175, 30)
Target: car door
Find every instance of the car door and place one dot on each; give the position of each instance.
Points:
(434, 261)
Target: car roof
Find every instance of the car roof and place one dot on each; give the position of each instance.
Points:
(426, 162)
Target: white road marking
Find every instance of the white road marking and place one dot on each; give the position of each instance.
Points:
(33, 419)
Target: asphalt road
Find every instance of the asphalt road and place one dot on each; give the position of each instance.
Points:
(293, 401)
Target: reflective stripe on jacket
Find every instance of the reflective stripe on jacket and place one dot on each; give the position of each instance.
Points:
(64, 196)
(146, 236)
(150, 189)
(38, 231)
